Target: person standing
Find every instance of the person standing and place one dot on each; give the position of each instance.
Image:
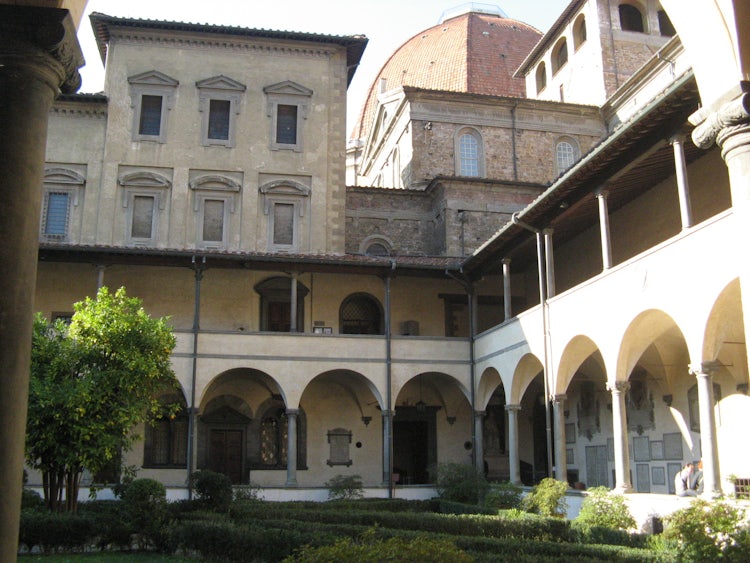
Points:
(682, 484)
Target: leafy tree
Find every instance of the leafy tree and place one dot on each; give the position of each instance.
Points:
(91, 383)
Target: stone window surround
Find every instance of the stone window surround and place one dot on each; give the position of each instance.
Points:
(286, 192)
(214, 187)
(147, 184)
(480, 150)
(219, 88)
(151, 83)
(291, 94)
(59, 179)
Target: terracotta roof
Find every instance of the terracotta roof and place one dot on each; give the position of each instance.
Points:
(475, 53)
(354, 44)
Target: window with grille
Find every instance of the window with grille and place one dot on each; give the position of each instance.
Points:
(361, 314)
(566, 155)
(469, 155)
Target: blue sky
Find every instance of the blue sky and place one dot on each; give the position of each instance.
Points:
(386, 23)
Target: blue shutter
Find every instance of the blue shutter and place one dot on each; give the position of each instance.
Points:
(56, 220)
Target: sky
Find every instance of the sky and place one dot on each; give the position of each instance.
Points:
(386, 23)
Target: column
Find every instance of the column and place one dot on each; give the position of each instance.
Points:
(561, 450)
(683, 190)
(507, 295)
(549, 262)
(192, 451)
(710, 457)
(601, 196)
(620, 429)
(291, 448)
(387, 440)
(39, 55)
(479, 441)
(513, 457)
(293, 305)
(100, 276)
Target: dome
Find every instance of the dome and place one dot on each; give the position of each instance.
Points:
(476, 52)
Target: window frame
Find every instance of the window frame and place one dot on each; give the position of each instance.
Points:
(62, 180)
(151, 83)
(371, 300)
(477, 136)
(148, 435)
(287, 93)
(580, 33)
(286, 192)
(635, 8)
(575, 153)
(560, 47)
(219, 88)
(143, 183)
(214, 187)
(540, 77)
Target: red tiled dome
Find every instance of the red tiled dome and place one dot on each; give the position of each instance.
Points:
(473, 52)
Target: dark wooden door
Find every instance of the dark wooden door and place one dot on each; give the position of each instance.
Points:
(225, 453)
(279, 316)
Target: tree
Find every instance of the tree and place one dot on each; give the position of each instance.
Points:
(91, 383)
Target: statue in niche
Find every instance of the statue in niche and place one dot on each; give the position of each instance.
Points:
(588, 410)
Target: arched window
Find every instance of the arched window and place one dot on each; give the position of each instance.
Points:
(566, 154)
(665, 25)
(541, 77)
(579, 32)
(376, 245)
(631, 18)
(360, 313)
(470, 153)
(165, 439)
(559, 55)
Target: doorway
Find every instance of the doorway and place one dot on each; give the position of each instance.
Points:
(415, 445)
(225, 453)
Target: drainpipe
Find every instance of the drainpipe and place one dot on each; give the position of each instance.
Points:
(388, 418)
(540, 254)
(199, 269)
(469, 288)
(513, 140)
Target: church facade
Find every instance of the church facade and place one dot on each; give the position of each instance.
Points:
(535, 275)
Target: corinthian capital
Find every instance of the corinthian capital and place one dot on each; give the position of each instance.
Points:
(731, 114)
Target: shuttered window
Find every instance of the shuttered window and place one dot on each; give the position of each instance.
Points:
(218, 119)
(150, 120)
(143, 217)
(56, 214)
(286, 124)
(213, 220)
(283, 224)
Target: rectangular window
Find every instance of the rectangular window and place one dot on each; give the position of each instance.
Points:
(143, 217)
(56, 215)
(213, 220)
(150, 119)
(286, 124)
(218, 119)
(283, 224)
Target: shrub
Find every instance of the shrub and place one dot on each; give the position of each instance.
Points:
(213, 489)
(605, 509)
(706, 531)
(246, 492)
(31, 500)
(344, 487)
(145, 507)
(503, 496)
(460, 482)
(547, 498)
(53, 531)
(368, 549)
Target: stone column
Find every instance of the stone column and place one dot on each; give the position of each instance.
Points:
(387, 441)
(620, 429)
(549, 262)
(729, 127)
(479, 440)
(39, 56)
(507, 295)
(601, 196)
(710, 454)
(561, 450)
(513, 457)
(291, 447)
(683, 189)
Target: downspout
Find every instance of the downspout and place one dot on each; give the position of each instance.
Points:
(469, 288)
(388, 378)
(513, 139)
(612, 46)
(543, 302)
(199, 269)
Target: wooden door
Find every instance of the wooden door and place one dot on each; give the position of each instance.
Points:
(225, 453)
(279, 316)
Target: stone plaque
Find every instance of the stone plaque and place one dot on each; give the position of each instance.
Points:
(673, 446)
(641, 449)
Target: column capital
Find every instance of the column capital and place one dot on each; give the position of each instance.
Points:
(703, 368)
(618, 387)
(560, 398)
(479, 414)
(387, 414)
(677, 139)
(601, 193)
(42, 38)
(505, 261)
(513, 408)
(548, 231)
(292, 412)
(709, 128)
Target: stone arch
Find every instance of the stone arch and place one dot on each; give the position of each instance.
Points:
(527, 369)
(576, 352)
(489, 381)
(724, 340)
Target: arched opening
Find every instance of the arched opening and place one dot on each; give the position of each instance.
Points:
(541, 77)
(469, 153)
(579, 32)
(631, 18)
(361, 313)
(566, 154)
(276, 305)
(559, 55)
